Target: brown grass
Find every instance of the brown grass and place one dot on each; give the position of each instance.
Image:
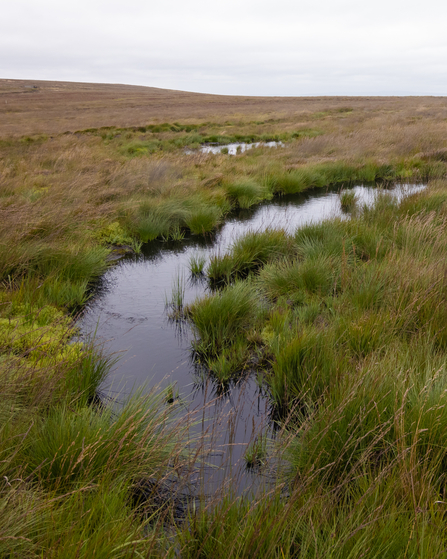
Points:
(54, 184)
(35, 107)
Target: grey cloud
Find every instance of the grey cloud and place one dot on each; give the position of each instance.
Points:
(256, 48)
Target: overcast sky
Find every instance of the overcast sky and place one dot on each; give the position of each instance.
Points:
(248, 47)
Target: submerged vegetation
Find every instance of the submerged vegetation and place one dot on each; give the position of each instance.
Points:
(344, 324)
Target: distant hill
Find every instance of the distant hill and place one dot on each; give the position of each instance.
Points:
(34, 107)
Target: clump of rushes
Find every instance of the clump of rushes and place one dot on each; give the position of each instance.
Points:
(204, 218)
(230, 363)
(175, 234)
(319, 175)
(165, 218)
(250, 253)
(256, 452)
(245, 192)
(348, 200)
(355, 429)
(220, 318)
(75, 457)
(316, 275)
(305, 365)
(160, 220)
(176, 302)
(197, 264)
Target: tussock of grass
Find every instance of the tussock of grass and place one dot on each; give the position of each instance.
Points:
(246, 192)
(250, 253)
(348, 200)
(197, 264)
(204, 219)
(218, 318)
(315, 275)
(230, 363)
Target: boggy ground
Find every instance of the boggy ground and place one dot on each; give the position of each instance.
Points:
(347, 320)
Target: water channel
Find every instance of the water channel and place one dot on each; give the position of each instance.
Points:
(128, 316)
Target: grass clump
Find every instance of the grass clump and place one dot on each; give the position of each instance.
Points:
(165, 218)
(229, 365)
(204, 219)
(317, 275)
(304, 367)
(250, 253)
(246, 192)
(197, 264)
(176, 302)
(220, 318)
(348, 200)
(256, 452)
(68, 448)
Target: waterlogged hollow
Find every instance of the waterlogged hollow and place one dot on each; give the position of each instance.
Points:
(129, 316)
(236, 147)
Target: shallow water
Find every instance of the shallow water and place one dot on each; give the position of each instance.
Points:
(233, 148)
(238, 147)
(128, 315)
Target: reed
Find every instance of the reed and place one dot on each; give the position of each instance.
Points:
(348, 200)
(220, 317)
(197, 264)
(250, 253)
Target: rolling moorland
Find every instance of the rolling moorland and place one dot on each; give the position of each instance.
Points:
(347, 320)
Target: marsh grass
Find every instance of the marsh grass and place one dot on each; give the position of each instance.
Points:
(348, 200)
(256, 452)
(230, 364)
(246, 192)
(197, 264)
(220, 317)
(248, 254)
(175, 304)
(354, 332)
(76, 457)
(349, 317)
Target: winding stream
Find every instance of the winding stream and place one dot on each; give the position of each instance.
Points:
(128, 316)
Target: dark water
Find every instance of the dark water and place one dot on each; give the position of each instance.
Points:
(129, 316)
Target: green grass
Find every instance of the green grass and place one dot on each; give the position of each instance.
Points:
(220, 317)
(256, 452)
(197, 264)
(245, 192)
(344, 322)
(176, 302)
(248, 254)
(170, 217)
(348, 200)
(229, 365)
(354, 332)
(70, 464)
(316, 275)
(333, 173)
(204, 219)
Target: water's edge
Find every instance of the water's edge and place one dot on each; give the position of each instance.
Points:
(128, 315)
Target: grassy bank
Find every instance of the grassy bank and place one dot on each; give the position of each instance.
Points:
(346, 321)
(349, 318)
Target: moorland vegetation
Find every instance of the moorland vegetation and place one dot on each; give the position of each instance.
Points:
(347, 321)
